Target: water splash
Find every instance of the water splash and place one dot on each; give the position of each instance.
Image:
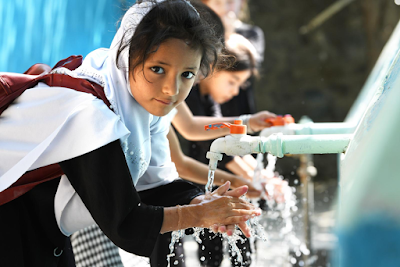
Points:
(232, 241)
(280, 217)
(256, 229)
(197, 231)
(175, 236)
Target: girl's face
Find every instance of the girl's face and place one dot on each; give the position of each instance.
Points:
(167, 77)
(223, 85)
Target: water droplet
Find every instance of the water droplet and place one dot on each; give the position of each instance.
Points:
(176, 262)
(202, 258)
(296, 181)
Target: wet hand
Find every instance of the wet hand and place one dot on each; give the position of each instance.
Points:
(252, 192)
(224, 207)
(229, 229)
(257, 121)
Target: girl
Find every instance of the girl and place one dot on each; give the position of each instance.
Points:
(105, 156)
(205, 100)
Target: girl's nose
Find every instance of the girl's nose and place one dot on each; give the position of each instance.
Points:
(171, 86)
(236, 90)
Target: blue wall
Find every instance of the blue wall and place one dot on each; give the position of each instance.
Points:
(46, 31)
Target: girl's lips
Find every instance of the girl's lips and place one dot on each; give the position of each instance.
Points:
(165, 102)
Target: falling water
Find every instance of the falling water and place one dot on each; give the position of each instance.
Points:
(197, 231)
(210, 182)
(175, 236)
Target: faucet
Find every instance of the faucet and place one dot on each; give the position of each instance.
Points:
(238, 143)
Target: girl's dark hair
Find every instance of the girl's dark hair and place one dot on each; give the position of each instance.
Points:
(212, 19)
(243, 53)
(173, 19)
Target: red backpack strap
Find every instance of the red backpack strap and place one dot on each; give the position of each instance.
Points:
(38, 69)
(71, 62)
(29, 180)
(78, 84)
(13, 85)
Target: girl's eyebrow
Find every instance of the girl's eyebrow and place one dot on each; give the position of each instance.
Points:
(167, 64)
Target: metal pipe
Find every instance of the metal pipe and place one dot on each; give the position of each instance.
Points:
(306, 172)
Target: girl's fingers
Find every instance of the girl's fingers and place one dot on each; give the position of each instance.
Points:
(222, 229)
(245, 229)
(244, 206)
(236, 219)
(222, 189)
(237, 192)
(214, 228)
(230, 229)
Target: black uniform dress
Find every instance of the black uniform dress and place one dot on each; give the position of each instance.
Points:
(211, 248)
(30, 236)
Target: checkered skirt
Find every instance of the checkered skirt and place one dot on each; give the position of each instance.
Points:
(92, 248)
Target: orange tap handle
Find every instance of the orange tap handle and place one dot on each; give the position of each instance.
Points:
(217, 125)
(280, 120)
(236, 128)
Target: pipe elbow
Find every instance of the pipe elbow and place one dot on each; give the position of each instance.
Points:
(218, 145)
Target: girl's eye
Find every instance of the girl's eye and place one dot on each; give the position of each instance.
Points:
(158, 70)
(188, 74)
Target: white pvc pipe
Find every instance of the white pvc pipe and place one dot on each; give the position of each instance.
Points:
(311, 129)
(279, 144)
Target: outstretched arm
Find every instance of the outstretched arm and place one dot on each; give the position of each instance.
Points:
(192, 127)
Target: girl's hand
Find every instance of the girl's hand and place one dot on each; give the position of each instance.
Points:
(252, 192)
(225, 208)
(257, 121)
(229, 228)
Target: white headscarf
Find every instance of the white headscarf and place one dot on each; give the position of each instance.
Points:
(115, 80)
